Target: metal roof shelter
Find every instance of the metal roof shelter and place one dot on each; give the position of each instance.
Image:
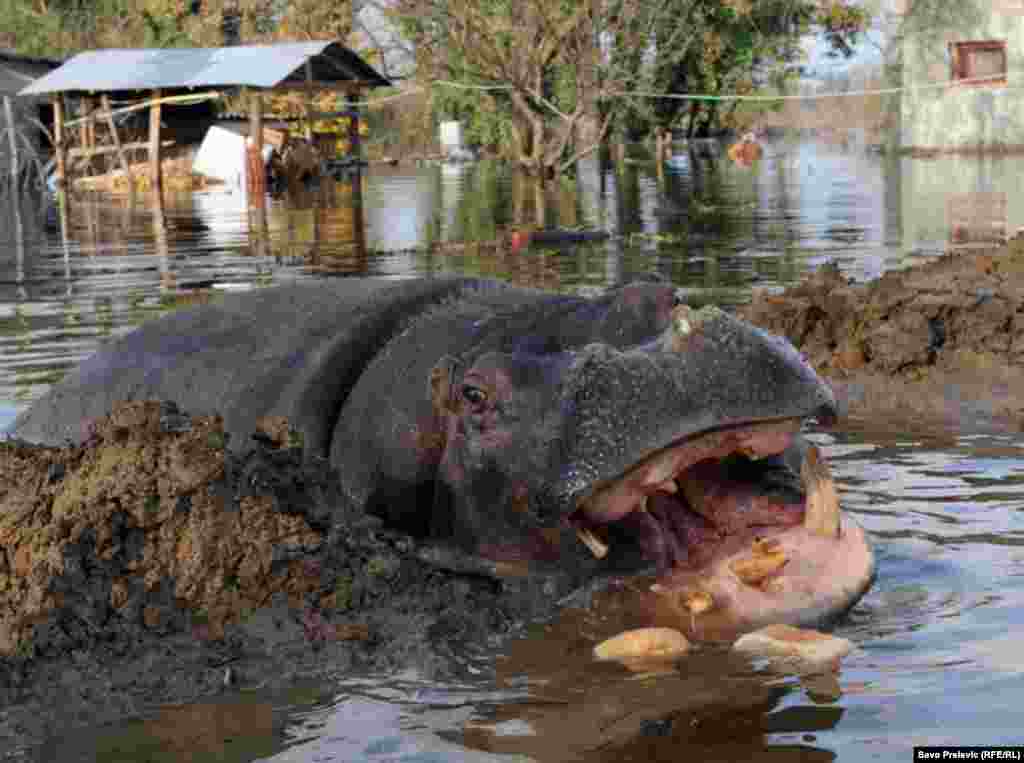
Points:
(261, 66)
(305, 66)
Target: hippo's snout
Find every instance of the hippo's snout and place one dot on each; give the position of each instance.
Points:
(707, 371)
(684, 454)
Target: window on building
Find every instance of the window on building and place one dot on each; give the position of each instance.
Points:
(984, 61)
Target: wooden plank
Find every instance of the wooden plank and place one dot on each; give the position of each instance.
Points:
(122, 158)
(353, 87)
(75, 153)
(155, 178)
(324, 115)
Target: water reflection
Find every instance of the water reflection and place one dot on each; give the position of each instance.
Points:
(82, 267)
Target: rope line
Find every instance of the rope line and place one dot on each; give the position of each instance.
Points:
(417, 89)
(725, 97)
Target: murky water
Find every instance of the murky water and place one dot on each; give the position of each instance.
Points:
(937, 658)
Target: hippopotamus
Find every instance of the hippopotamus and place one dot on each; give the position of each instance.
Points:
(592, 438)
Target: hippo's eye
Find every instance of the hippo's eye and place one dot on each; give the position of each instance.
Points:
(473, 395)
(678, 298)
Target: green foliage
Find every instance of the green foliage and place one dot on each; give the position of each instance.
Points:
(726, 46)
(572, 68)
(60, 28)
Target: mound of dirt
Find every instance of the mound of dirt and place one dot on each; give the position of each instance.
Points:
(943, 341)
(139, 529)
(153, 565)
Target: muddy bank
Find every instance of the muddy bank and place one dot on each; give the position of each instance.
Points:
(151, 565)
(938, 345)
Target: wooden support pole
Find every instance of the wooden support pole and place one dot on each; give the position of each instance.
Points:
(354, 142)
(155, 178)
(255, 175)
(59, 147)
(83, 130)
(309, 101)
(12, 140)
(108, 116)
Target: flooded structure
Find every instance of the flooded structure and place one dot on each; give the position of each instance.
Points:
(157, 77)
(962, 119)
(19, 130)
(956, 68)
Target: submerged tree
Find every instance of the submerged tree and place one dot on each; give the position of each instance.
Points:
(554, 77)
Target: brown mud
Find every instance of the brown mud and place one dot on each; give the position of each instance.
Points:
(151, 565)
(934, 349)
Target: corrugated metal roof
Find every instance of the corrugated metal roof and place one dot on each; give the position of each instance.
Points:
(240, 65)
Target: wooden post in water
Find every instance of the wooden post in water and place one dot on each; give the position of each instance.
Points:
(355, 151)
(12, 140)
(59, 147)
(256, 175)
(19, 249)
(156, 209)
(108, 116)
(155, 178)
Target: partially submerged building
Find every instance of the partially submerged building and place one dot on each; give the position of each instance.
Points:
(962, 107)
(959, 71)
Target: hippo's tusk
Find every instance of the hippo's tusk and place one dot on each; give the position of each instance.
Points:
(597, 546)
(821, 516)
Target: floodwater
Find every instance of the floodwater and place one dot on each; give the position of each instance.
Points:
(937, 658)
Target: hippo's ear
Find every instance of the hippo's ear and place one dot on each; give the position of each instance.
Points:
(443, 384)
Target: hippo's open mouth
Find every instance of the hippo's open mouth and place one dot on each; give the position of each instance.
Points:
(736, 536)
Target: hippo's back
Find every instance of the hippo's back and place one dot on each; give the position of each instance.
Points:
(291, 350)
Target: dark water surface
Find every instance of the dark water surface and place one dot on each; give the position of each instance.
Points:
(938, 658)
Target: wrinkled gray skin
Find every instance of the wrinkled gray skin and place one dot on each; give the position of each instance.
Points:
(455, 408)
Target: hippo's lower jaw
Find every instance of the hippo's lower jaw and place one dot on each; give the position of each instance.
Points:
(739, 540)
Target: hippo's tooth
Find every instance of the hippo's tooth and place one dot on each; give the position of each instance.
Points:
(660, 470)
(597, 546)
(697, 602)
(767, 558)
(642, 506)
(821, 515)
